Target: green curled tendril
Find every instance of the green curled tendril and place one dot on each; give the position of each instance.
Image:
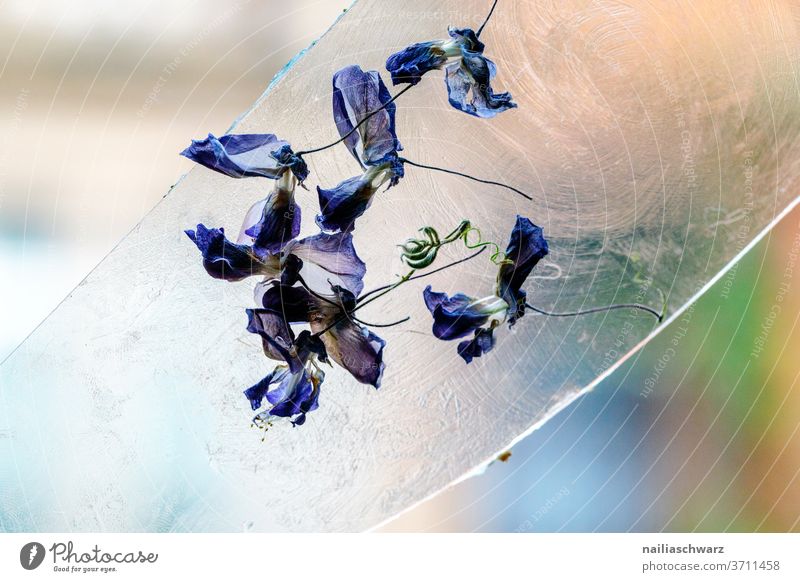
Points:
(419, 253)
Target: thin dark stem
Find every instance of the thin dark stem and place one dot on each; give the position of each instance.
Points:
(386, 289)
(336, 322)
(488, 16)
(447, 266)
(314, 293)
(649, 310)
(359, 124)
(481, 180)
(420, 276)
(344, 313)
(398, 322)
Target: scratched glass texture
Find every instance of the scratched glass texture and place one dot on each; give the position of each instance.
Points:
(658, 141)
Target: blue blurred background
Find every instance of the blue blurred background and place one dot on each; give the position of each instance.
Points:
(697, 432)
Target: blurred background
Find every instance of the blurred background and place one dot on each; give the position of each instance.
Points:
(697, 432)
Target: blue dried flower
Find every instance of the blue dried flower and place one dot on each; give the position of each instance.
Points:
(525, 249)
(460, 315)
(226, 260)
(468, 73)
(247, 155)
(356, 96)
(340, 206)
(297, 382)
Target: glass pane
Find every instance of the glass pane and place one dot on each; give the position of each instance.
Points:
(657, 141)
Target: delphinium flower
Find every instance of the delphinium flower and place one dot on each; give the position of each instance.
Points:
(458, 316)
(247, 156)
(335, 334)
(365, 118)
(461, 315)
(292, 388)
(275, 220)
(468, 73)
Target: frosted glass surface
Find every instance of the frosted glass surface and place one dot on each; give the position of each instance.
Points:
(657, 139)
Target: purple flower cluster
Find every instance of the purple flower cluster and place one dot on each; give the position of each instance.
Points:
(290, 291)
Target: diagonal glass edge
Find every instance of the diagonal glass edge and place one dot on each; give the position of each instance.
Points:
(278, 77)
